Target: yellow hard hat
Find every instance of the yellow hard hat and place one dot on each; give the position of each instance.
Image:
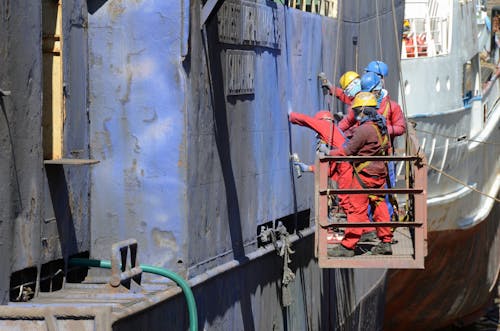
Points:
(364, 99)
(347, 78)
(406, 23)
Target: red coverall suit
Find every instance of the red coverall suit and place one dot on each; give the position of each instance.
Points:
(323, 124)
(367, 141)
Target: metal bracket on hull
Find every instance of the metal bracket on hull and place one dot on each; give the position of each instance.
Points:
(125, 271)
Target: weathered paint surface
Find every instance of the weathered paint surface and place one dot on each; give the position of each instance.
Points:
(137, 114)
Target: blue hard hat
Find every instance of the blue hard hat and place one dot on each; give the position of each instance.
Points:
(370, 81)
(378, 67)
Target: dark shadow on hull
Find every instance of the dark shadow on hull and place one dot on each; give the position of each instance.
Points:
(59, 194)
(223, 147)
(94, 5)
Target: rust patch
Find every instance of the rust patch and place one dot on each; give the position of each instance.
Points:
(116, 8)
(164, 239)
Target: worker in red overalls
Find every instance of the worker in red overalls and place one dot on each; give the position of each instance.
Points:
(368, 139)
(350, 84)
(328, 133)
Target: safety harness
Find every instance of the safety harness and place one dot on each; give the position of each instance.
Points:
(377, 199)
(383, 141)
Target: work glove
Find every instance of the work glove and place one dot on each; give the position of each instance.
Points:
(324, 149)
(325, 83)
(303, 167)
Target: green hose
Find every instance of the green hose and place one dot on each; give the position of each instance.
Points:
(193, 315)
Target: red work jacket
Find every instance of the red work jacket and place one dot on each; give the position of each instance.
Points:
(395, 120)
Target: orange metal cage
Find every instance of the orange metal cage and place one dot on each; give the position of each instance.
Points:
(416, 210)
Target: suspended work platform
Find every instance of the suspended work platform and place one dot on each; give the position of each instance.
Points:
(409, 246)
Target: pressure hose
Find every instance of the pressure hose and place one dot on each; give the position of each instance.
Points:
(183, 284)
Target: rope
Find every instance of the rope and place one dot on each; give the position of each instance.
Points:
(396, 39)
(397, 43)
(461, 183)
(379, 33)
(457, 138)
(335, 62)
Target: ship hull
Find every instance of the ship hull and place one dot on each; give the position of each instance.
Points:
(459, 279)
(460, 137)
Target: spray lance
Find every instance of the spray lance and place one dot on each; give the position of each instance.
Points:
(294, 157)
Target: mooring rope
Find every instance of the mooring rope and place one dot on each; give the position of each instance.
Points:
(461, 182)
(462, 138)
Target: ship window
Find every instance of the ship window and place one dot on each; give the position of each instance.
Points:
(321, 7)
(53, 99)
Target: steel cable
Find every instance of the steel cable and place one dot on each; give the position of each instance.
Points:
(462, 138)
(461, 182)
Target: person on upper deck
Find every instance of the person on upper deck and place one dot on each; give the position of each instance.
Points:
(368, 139)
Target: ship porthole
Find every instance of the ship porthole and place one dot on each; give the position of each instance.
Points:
(407, 87)
(448, 83)
(438, 85)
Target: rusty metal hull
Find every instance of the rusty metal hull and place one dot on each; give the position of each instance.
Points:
(456, 282)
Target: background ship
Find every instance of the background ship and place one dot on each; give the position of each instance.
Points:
(452, 91)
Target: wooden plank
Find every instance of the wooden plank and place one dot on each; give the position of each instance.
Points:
(53, 98)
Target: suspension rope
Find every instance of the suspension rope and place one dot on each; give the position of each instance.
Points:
(400, 70)
(461, 182)
(457, 138)
(335, 61)
(381, 57)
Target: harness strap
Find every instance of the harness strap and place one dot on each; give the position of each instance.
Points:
(382, 141)
(387, 107)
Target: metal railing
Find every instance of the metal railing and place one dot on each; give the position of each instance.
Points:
(415, 219)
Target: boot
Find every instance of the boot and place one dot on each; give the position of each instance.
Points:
(369, 237)
(382, 249)
(340, 251)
